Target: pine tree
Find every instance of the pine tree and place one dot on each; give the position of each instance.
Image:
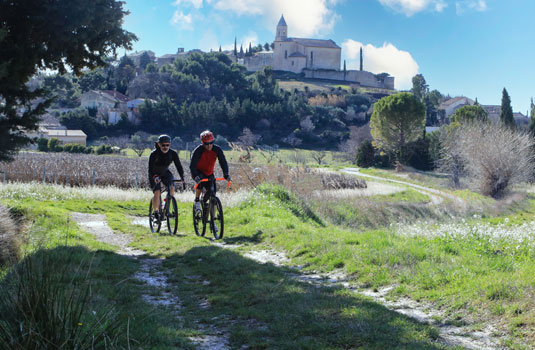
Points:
(476, 103)
(219, 48)
(241, 50)
(361, 58)
(506, 113)
(345, 71)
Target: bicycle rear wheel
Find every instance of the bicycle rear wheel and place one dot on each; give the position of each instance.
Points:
(172, 216)
(198, 223)
(154, 223)
(217, 224)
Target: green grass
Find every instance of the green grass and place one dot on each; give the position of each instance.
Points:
(469, 277)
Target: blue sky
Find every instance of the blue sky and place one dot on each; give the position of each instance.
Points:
(473, 48)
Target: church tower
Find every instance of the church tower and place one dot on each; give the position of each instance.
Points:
(282, 30)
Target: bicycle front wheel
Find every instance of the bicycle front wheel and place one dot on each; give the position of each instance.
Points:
(172, 216)
(154, 223)
(217, 224)
(199, 224)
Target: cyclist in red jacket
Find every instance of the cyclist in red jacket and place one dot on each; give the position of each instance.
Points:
(203, 162)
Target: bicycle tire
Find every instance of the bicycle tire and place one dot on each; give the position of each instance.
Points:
(172, 216)
(154, 224)
(198, 221)
(217, 223)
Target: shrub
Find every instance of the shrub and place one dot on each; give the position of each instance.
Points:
(54, 145)
(365, 154)
(494, 156)
(42, 145)
(9, 238)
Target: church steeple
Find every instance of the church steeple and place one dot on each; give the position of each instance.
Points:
(282, 30)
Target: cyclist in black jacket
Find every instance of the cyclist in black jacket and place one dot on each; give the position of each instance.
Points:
(159, 161)
(203, 162)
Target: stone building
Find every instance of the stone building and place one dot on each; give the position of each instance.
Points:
(296, 54)
(315, 58)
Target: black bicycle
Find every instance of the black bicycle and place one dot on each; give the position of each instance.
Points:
(168, 211)
(211, 212)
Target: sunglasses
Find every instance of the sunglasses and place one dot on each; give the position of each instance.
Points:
(208, 143)
(165, 145)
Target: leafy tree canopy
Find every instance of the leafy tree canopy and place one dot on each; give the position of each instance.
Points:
(470, 114)
(56, 35)
(396, 121)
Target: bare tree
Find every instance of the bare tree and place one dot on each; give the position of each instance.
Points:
(356, 136)
(319, 156)
(268, 152)
(494, 156)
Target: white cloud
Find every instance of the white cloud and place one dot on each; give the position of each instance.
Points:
(410, 7)
(182, 21)
(195, 3)
(387, 58)
(304, 17)
(474, 5)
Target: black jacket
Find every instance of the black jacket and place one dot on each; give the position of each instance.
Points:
(159, 162)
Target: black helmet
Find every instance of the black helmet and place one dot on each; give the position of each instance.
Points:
(164, 139)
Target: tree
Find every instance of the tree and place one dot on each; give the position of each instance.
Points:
(396, 121)
(361, 58)
(138, 144)
(420, 89)
(468, 114)
(266, 46)
(144, 60)
(235, 47)
(85, 35)
(506, 113)
(532, 118)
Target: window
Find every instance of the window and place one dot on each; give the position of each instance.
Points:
(311, 58)
(292, 63)
(285, 53)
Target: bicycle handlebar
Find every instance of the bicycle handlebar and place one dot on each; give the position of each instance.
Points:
(217, 179)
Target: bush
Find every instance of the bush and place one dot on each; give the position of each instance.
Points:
(495, 156)
(104, 149)
(54, 145)
(222, 142)
(9, 239)
(42, 145)
(75, 148)
(365, 154)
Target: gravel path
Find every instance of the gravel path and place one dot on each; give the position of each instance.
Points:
(449, 334)
(436, 196)
(152, 274)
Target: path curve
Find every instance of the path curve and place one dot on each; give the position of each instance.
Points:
(435, 195)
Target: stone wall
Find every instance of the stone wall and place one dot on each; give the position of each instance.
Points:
(258, 62)
(353, 76)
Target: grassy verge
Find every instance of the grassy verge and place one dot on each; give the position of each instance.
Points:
(466, 273)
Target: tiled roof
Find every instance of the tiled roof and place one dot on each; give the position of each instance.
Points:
(453, 100)
(117, 95)
(315, 42)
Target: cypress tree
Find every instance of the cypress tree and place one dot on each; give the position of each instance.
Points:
(532, 118)
(235, 47)
(361, 58)
(219, 48)
(506, 113)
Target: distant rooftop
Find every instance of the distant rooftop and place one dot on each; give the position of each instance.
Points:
(315, 42)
